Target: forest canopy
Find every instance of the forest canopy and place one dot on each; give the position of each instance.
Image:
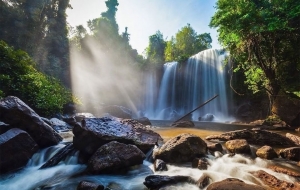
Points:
(263, 39)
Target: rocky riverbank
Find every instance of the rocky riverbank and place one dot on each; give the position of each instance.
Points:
(114, 146)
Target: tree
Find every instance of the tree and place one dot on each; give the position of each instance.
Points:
(39, 28)
(156, 48)
(186, 43)
(263, 39)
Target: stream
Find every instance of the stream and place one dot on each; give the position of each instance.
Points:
(63, 176)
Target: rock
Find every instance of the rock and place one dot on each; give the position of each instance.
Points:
(257, 122)
(266, 152)
(114, 186)
(213, 147)
(182, 148)
(16, 148)
(114, 157)
(238, 146)
(116, 111)
(203, 181)
(273, 182)
(95, 132)
(294, 138)
(16, 113)
(287, 107)
(292, 153)
(144, 121)
(59, 125)
(254, 136)
(183, 124)
(154, 182)
(233, 184)
(207, 117)
(285, 170)
(87, 185)
(200, 163)
(160, 165)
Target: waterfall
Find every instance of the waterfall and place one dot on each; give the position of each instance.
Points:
(184, 86)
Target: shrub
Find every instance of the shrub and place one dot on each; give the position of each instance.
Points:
(18, 77)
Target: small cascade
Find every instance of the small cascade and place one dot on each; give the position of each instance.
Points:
(184, 86)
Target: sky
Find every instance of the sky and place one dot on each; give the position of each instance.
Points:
(144, 17)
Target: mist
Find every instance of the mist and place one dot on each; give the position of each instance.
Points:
(102, 77)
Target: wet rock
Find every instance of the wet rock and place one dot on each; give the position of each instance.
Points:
(59, 125)
(233, 184)
(160, 165)
(16, 113)
(238, 146)
(207, 117)
(213, 147)
(182, 148)
(294, 138)
(87, 185)
(285, 170)
(144, 121)
(95, 132)
(266, 152)
(154, 182)
(292, 153)
(16, 148)
(203, 181)
(183, 124)
(254, 136)
(275, 183)
(200, 163)
(116, 111)
(114, 157)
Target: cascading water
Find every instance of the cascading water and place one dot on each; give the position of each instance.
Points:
(185, 86)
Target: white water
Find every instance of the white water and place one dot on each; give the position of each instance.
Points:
(183, 88)
(59, 177)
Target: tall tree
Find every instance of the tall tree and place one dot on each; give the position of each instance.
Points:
(156, 48)
(263, 39)
(186, 43)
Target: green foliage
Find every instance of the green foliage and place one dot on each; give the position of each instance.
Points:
(156, 48)
(18, 77)
(263, 40)
(40, 29)
(186, 43)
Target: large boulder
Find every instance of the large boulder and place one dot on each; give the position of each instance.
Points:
(114, 157)
(238, 146)
(233, 184)
(182, 148)
(17, 114)
(266, 152)
(95, 132)
(254, 136)
(16, 148)
(292, 153)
